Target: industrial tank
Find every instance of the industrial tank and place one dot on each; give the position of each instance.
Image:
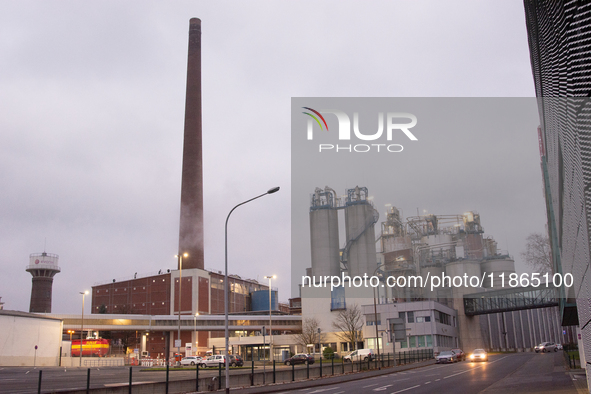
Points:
(324, 233)
(497, 266)
(260, 300)
(360, 218)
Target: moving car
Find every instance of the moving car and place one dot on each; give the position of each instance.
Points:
(191, 360)
(301, 358)
(447, 356)
(213, 361)
(236, 361)
(460, 353)
(479, 355)
(546, 347)
(360, 354)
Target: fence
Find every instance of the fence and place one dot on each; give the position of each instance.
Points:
(571, 360)
(413, 356)
(212, 379)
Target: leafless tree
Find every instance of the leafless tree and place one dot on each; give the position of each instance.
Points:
(538, 254)
(348, 325)
(309, 333)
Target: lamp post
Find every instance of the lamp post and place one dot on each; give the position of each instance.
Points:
(270, 191)
(180, 257)
(375, 312)
(270, 277)
(82, 324)
(195, 329)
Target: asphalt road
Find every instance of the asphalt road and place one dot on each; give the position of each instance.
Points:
(502, 374)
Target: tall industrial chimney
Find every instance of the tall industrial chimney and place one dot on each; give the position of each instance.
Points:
(191, 223)
(43, 267)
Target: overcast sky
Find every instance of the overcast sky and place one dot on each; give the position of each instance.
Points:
(92, 97)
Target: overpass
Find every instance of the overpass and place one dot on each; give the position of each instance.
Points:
(511, 299)
(123, 322)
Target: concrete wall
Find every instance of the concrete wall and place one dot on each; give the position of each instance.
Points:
(19, 334)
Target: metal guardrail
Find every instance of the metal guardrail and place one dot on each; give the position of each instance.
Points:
(105, 362)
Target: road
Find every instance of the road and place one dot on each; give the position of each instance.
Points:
(502, 374)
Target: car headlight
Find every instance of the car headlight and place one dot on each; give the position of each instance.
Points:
(472, 356)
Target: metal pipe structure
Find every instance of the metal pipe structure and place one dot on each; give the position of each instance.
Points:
(270, 277)
(180, 258)
(82, 324)
(270, 191)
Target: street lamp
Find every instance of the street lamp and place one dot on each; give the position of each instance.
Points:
(195, 329)
(270, 191)
(180, 257)
(375, 312)
(82, 324)
(270, 277)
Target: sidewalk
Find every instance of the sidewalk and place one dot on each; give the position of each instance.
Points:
(318, 382)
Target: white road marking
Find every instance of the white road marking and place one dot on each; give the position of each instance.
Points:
(382, 388)
(427, 382)
(437, 380)
(323, 390)
(375, 384)
(472, 369)
(400, 391)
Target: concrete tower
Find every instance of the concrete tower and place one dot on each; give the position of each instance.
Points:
(191, 222)
(43, 267)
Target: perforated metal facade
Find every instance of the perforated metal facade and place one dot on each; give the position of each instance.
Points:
(559, 34)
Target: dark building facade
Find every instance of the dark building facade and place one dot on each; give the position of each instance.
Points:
(559, 36)
(202, 292)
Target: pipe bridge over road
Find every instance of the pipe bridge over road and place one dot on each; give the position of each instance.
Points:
(512, 299)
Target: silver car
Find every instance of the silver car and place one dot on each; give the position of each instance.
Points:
(546, 347)
(446, 356)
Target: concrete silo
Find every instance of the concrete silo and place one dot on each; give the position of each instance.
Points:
(469, 326)
(360, 218)
(324, 233)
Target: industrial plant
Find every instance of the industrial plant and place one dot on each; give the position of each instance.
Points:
(485, 314)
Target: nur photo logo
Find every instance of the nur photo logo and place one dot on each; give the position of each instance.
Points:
(396, 123)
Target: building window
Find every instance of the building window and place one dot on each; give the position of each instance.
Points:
(413, 341)
(429, 340)
(411, 318)
(403, 345)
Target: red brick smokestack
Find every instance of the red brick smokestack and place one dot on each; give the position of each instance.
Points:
(191, 223)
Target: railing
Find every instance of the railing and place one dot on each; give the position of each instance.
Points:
(414, 356)
(105, 362)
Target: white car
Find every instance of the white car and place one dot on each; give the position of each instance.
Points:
(546, 347)
(191, 360)
(213, 361)
(360, 354)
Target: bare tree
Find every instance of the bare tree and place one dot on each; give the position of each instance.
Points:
(538, 254)
(310, 334)
(348, 325)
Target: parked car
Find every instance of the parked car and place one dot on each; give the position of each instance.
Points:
(446, 356)
(236, 361)
(559, 346)
(479, 355)
(191, 360)
(460, 353)
(213, 361)
(360, 354)
(546, 347)
(301, 358)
